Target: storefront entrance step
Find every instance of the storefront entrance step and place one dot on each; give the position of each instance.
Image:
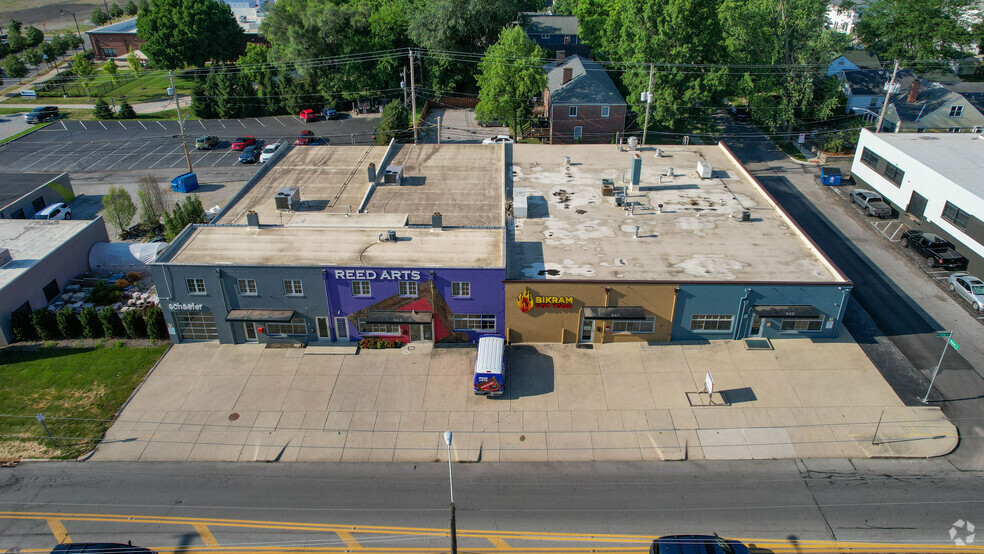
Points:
(333, 348)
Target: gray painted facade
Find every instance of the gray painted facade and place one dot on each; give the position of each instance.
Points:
(739, 300)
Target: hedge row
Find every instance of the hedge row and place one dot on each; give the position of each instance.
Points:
(43, 324)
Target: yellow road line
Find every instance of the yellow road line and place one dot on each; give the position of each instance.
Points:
(500, 543)
(58, 529)
(348, 539)
(205, 534)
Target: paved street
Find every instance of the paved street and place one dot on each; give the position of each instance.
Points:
(129, 145)
(785, 506)
(906, 304)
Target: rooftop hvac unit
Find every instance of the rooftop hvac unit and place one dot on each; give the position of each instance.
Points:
(634, 143)
(393, 175)
(704, 169)
(520, 203)
(289, 198)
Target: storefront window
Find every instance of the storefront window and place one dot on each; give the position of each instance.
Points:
(801, 324)
(474, 322)
(646, 326)
(711, 322)
(378, 328)
(296, 326)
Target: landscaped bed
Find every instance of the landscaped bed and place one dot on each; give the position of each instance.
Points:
(78, 389)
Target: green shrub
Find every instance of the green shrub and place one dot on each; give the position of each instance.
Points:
(91, 326)
(102, 110)
(156, 326)
(133, 276)
(45, 324)
(133, 324)
(126, 111)
(103, 294)
(375, 343)
(68, 323)
(22, 326)
(111, 324)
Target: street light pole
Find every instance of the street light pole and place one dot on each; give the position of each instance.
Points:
(181, 125)
(77, 29)
(454, 532)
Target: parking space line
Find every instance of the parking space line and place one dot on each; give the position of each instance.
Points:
(277, 119)
(121, 124)
(222, 124)
(63, 125)
(142, 125)
(200, 123)
(43, 156)
(241, 123)
(219, 159)
(83, 126)
(162, 125)
(100, 159)
(103, 124)
(258, 121)
(165, 156)
(58, 530)
(158, 147)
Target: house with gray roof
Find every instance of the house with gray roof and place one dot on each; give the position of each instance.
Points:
(553, 32)
(582, 103)
(932, 107)
(852, 59)
(865, 88)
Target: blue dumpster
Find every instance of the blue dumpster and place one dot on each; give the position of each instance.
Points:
(830, 176)
(186, 183)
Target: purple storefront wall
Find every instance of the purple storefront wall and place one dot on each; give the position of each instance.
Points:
(487, 296)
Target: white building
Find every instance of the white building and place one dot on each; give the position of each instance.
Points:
(933, 180)
(249, 13)
(844, 19)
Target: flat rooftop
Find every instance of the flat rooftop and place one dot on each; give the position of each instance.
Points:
(463, 181)
(338, 246)
(575, 232)
(956, 156)
(30, 242)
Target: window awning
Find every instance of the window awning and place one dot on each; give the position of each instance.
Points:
(260, 315)
(786, 311)
(619, 312)
(393, 316)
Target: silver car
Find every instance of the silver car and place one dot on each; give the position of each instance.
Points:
(969, 287)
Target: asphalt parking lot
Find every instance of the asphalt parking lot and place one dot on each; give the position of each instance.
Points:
(110, 146)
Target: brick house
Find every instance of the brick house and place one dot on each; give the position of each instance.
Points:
(581, 102)
(115, 40)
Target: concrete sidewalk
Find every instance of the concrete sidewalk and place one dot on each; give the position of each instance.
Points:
(629, 401)
(140, 107)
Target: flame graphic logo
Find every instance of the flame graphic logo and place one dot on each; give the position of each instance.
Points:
(525, 300)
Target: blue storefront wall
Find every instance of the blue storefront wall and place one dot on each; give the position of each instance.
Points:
(739, 300)
(485, 296)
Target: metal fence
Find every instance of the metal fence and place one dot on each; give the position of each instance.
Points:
(71, 85)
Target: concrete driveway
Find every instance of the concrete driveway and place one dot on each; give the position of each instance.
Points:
(210, 402)
(458, 125)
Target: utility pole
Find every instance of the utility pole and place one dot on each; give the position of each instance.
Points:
(403, 85)
(649, 101)
(181, 126)
(888, 93)
(439, 129)
(413, 99)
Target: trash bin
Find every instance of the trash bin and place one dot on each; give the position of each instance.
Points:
(830, 176)
(184, 183)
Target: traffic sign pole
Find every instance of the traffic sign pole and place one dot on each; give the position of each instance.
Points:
(936, 370)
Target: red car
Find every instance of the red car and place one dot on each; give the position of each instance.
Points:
(308, 116)
(307, 137)
(242, 142)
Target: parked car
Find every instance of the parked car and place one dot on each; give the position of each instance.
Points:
(242, 142)
(269, 151)
(969, 288)
(871, 202)
(250, 154)
(696, 544)
(308, 115)
(100, 548)
(330, 113)
(937, 251)
(57, 210)
(498, 139)
(206, 142)
(306, 137)
(41, 114)
(738, 114)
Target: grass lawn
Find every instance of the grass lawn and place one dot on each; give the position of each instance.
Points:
(25, 132)
(77, 389)
(152, 85)
(790, 150)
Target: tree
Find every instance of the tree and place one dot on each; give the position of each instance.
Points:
(68, 323)
(102, 110)
(58, 45)
(111, 68)
(73, 40)
(510, 75)
(143, 6)
(49, 52)
(134, 325)
(130, 8)
(111, 324)
(184, 213)
(84, 69)
(115, 10)
(153, 201)
(15, 26)
(99, 17)
(134, 63)
(91, 326)
(33, 57)
(126, 111)
(14, 66)
(45, 324)
(917, 29)
(16, 40)
(394, 123)
(22, 326)
(33, 36)
(118, 208)
(156, 326)
(4, 49)
(190, 32)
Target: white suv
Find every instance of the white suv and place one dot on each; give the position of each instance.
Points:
(55, 211)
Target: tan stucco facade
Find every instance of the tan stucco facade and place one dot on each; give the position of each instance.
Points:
(557, 307)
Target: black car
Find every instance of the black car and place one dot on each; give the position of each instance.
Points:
(100, 548)
(739, 114)
(696, 544)
(41, 114)
(330, 113)
(937, 251)
(250, 155)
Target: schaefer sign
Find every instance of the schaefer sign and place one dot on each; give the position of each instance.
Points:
(526, 301)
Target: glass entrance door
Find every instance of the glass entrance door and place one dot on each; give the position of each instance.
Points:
(755, 329)
(587, 330)
(323, 332)
(250, 329)
(341, 329)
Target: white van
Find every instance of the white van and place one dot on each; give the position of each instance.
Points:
(490, 366)
(55, 211)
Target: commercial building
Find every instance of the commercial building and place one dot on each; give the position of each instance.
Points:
(116, 39)
(37, 258)
(359, 254)
(24, 194)
(676, 256)
(933, 180)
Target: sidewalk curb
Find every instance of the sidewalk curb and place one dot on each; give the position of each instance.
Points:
(31, 131)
